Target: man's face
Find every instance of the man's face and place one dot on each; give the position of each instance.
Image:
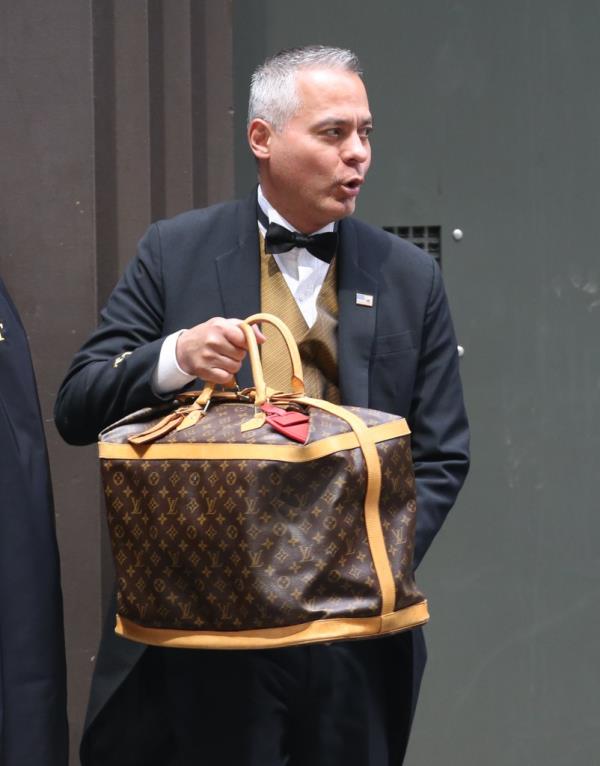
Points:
(314, 167)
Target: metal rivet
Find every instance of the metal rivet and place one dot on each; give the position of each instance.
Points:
(457, 235)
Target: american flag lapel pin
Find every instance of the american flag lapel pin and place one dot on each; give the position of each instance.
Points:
(363, 299)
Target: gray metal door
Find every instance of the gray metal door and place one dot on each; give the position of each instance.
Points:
(488, 120)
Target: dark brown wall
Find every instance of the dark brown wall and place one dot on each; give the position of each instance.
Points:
(114, 113)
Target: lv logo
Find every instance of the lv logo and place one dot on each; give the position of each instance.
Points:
(349, 546)
(172, 501)
(397, 483)
(306, 551)
(251, 503)
(2, 336)
(256, 561)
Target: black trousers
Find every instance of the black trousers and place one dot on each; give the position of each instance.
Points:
(341, 704)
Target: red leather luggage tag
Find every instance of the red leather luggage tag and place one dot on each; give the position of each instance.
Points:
(290, 423)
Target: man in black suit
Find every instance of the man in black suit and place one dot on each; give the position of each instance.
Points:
(348, 702)
(33, 717)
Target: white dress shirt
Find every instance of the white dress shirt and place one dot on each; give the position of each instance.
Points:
(304, 275)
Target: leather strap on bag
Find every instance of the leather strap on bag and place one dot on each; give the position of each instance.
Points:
(297, 381)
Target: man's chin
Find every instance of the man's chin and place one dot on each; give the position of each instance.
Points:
(333, 210)
(343, 208)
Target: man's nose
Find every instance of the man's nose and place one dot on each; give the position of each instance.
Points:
(356, 149)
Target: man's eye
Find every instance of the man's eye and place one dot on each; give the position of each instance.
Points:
(333, 132)
(365, 132)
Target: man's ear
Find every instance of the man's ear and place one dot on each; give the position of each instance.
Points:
(259, 138)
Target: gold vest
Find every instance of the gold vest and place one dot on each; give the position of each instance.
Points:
(317, 344)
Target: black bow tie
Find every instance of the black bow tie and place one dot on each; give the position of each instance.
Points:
(279, 240)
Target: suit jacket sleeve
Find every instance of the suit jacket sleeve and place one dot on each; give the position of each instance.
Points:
(104, 382)
(438, 421)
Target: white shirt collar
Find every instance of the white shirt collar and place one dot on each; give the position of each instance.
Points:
(274, 216)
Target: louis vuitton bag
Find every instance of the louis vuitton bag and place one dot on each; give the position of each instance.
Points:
(257, 518)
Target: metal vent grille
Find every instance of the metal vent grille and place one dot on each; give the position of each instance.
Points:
(428, 238)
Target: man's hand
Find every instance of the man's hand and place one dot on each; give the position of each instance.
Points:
(213, 351)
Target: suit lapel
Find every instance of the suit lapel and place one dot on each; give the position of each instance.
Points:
(356, 329)
(238, 274)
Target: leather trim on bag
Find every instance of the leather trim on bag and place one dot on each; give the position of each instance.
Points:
(288, 452)
(270, 638)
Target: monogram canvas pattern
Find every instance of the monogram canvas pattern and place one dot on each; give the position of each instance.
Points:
(248, 544)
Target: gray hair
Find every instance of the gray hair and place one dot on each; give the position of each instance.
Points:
(273, 93)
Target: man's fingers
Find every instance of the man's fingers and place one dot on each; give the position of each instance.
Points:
(223, 348)
(218, 376)
(260, 336)
(235, 334)
(214, 350)
(227, 364)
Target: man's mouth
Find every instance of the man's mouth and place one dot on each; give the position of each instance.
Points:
(352, 185)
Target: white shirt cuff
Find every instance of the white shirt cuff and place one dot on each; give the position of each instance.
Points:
(168, 375)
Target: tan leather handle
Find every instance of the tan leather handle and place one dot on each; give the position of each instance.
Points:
(260, 384)
(297, 381)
